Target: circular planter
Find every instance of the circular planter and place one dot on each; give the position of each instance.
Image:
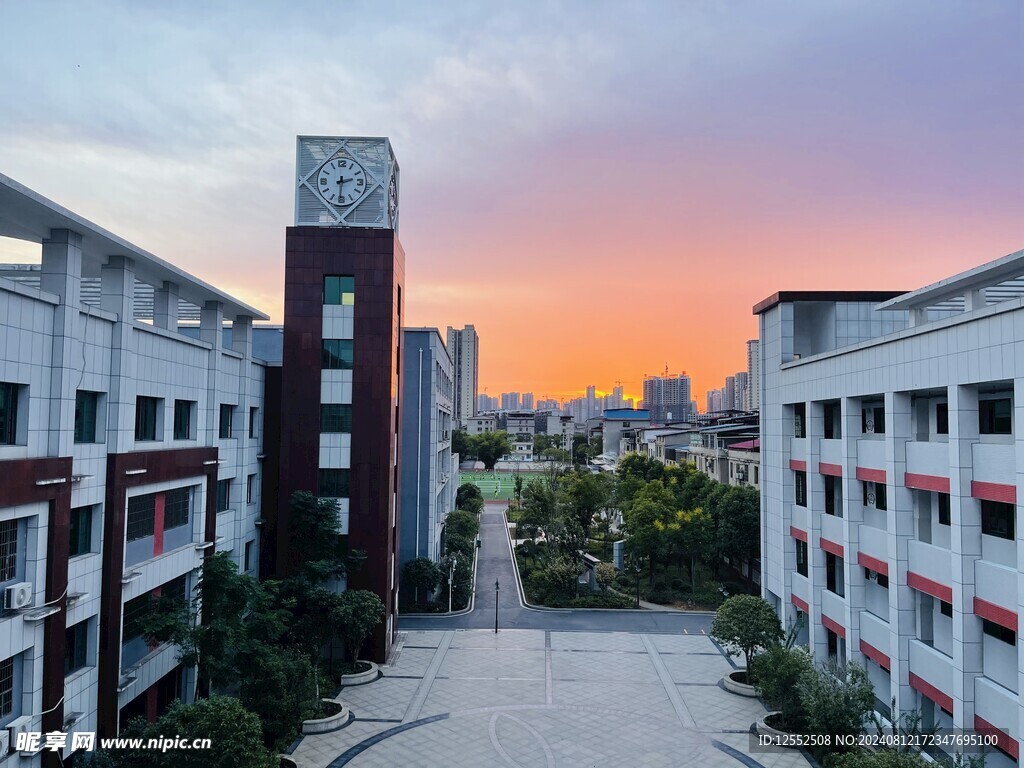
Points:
(739, 688)
(329, 723)
(762, 727)
(287, 762)
(361, 678)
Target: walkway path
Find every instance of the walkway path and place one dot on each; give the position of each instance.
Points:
(495, 563)
(535, 698)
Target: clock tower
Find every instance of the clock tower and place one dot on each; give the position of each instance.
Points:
(340, 383)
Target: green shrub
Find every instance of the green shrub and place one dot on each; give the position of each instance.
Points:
(838, 699)
(555, 582)
(877, 760)
(779, 670)
(603, 600)
(745, 624)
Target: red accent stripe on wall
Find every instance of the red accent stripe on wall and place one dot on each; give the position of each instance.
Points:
(796, 533)
(871, 475)
(994, 491)
(995, 613)
(926, 482)
(875, 655)
(879, 566)
(925, 688)
(835, 626)
(929, 586)
(830, 469)
(800, 603)
(158, 524)
(831, 546)
(1006, 742)
(799, 466)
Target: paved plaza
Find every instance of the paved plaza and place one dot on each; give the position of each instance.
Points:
(525, 697)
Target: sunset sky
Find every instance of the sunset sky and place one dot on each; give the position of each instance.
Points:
(601, 188)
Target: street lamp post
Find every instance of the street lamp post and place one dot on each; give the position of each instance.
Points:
(637, 567)
(496, 588)
(451, 579)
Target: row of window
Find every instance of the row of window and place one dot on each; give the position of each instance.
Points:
(148, 416)
(995, 417)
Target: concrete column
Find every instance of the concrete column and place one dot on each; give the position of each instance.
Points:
(245, 450)
(965, 543)
(1018, 436)
(974, 299)
(900, 519)
(211, 321)
(62, 275)
(241, 336)
(165, 306)
(818, 639)
(117, 295)
(853, 514)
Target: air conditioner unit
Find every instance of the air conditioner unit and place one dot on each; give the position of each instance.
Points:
(5, 743)
(20, 725)
(18, 595)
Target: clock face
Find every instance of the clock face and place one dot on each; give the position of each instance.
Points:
(341, 181)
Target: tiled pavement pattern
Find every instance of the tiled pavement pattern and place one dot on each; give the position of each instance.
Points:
(525, 698)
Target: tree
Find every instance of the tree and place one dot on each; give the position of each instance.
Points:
(236, 738)
(462, 444)
(692, 536)
(779, 671)
(584, 494)
(538, 508)
(361, 611)
(879, 760)
(422, 575)
(839, 698)
(739, 524)
(745, 623)
(584, 449)
(314, 532)
(491, 446)
(462, 523)
(559, 455)
(279, 686)
(469, 498)
(604, 573)
(646, 521)
(556, 582)
(518, 487)
(542, 443)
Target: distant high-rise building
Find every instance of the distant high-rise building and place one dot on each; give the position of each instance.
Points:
(729, 393)
(510, 401)
(714, 401)
(464, 348)
(592, 406)
(754, 375)
(485, 403)
(615, 399)
(741, 394)
(527, 400)
(548, 405)
(667, 397)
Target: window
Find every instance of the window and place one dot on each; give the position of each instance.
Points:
(830, 496)
(337, 355)
(879, 578)
(872, 420)
(177, 505)
(878, 491)
(146, 409)
(227, 413)
(141, 516)
(76, 647)
(994, 417)
(834, 574)
(135, 612)
(943, 504)
(999, 632)
(247, 564)
(223, 494)
(6, 687)
(801, 557)
(997, 519)
(333, 483)
(833, 644)
(250, 489)
(800, 487)
(176, 589)
(8, 550)
(942, 418)
(833, 431)
(335, 417)
(252, 422)
(339, 289)
(9, 413)
(183, 419)
(800, 420)
(85, 416)
(946, 608)
(81, 531)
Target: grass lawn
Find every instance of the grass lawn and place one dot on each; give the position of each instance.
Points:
(496, 485)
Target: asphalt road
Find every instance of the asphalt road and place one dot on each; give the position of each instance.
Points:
(495, 564)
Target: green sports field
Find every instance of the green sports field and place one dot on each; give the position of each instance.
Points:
(495, 485)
